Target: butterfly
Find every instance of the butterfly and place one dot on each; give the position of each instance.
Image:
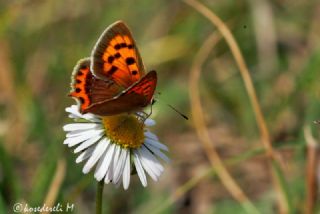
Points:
(113, 80)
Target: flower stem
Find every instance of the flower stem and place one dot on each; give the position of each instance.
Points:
(99, 197)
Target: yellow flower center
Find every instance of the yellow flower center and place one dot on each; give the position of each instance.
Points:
(125, 130)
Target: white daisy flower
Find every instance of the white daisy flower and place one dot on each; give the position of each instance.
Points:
(116, 146)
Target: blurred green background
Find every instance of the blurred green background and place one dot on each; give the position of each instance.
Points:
(41, 41)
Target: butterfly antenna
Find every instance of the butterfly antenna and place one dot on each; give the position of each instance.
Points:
(173, 108)
(182, 115)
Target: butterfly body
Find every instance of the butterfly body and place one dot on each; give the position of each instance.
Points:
(113, 80)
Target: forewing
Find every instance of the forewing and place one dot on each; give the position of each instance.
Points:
(115, 56)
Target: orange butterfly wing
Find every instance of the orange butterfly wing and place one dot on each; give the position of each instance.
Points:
(145, 87)
(115, 82)
(115, 56)
(137, 96)
(88, 89)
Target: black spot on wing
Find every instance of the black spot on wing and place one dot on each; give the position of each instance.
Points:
(112, 70)
(130, 60)
(134, 72)
(117, 55)
(117, 46)
(81, 99)
(110, 59)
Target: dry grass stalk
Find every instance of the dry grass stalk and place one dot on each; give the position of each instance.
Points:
(265, 137)
(55, 184)
(311, 181)
(197, 114)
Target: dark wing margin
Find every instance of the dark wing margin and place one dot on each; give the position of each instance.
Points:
(79, 81)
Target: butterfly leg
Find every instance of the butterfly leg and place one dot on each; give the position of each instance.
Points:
(149, 114)
(143, 116)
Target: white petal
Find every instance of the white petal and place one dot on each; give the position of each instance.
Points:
(98, 151)
(149, 122)
(146, 166)
(80, 126)
(157, 152)
(74, 109)
(106, 180)
(116, 156)
(107, 177)
(152, 160)
(87, 143)
(87, 117)
(80, 132)
(104, 163)
(74, 113)
(126, 172)
(156, 144)
(99, 164)
(71, 141)
(91, 117)
(151, 136)
(120, 166)
(116, 159)
(139, 169)
(85, 155)
(113, 165)
(109, 173)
